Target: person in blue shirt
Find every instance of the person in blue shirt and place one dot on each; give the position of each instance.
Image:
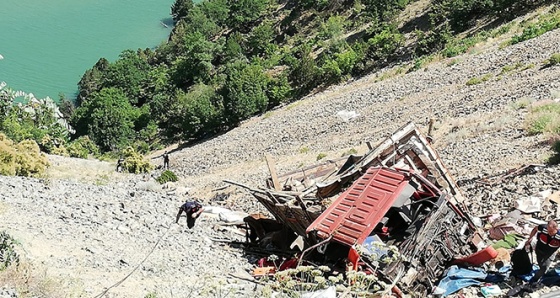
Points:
(192, 210)
(548, 242)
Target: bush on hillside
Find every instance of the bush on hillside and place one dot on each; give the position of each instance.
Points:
(8, 254)
(22, 159)
(553, 60)
(543, 118)
(82, 147)
(135, 162)
(167, 176)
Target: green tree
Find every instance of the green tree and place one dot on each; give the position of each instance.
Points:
(244, 12)
(244, 91)
(383, 44)
(180, 9)
(201, 111)
(304, 71)
(196, 64)
(108, 119)
(129, 73)
(92, 80)
(261, 38)
(216, 10)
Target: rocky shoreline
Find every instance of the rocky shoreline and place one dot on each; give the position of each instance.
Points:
(92, 232)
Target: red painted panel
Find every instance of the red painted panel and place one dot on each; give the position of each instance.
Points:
(351, 218)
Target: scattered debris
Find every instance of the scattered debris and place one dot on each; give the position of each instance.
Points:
(394, 213)
(398, 194)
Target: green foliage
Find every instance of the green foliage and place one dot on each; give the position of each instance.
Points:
(351, 151)
(321, 156)
(384, 9)
(279, 90)
(543, 118)
(261, 39)
(82, 147)
(553, 60)
(332, 28)
(167, 176)
(243, 12)
(244, 91)
(151, 295)
(304, 71)
(478, 80)
(107, 118)
(433, 41)
(31, 118)
(543, 25)
(21, 159)
(180, 9)
(134, 162)
(383, 44)
(8, 254)
(195, 63)
(128, 73)
(201, 110)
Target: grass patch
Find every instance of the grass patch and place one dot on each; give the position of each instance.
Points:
(350, 152)
(545, 23)
(553, 60)
(479, 80)
(421, 62)
(543, 118)
(167, 176)
(303, 150)
(522, 103)
(267, 115)
(321, 156)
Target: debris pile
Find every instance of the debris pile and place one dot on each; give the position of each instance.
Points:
(394, 213)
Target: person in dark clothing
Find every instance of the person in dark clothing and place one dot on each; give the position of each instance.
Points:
(192, 210)
(165, 160)
(548, 242)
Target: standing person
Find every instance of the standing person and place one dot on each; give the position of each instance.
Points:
(165, 160)
(192, 209)
(548, 242)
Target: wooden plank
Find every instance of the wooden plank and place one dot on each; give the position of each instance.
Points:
(272, 169)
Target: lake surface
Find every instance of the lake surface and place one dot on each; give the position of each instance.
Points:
(48, 45)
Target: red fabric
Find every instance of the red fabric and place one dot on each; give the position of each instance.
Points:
(478, 258)
(354, 258)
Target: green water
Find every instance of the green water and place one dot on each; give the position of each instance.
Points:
(48, 45)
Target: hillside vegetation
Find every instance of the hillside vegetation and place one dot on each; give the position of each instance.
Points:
(226, 61)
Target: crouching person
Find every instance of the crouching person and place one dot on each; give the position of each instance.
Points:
(192, 210)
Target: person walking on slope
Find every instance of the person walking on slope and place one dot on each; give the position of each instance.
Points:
(548, 242)
(192, 210)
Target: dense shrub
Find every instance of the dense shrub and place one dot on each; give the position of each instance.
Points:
(167, 176)
(21, 159)
(8, 254)
(82, 147)
(134, 162)
(553, 60)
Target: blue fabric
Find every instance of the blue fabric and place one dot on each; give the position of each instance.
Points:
(528, 276)
(502, 275)
(458, 278)
(552, 277)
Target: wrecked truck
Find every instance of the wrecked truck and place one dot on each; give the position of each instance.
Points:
(398, 193)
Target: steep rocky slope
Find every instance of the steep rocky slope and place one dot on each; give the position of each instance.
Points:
(90, 226)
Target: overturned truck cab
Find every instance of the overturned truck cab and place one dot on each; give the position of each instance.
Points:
(399, 193)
